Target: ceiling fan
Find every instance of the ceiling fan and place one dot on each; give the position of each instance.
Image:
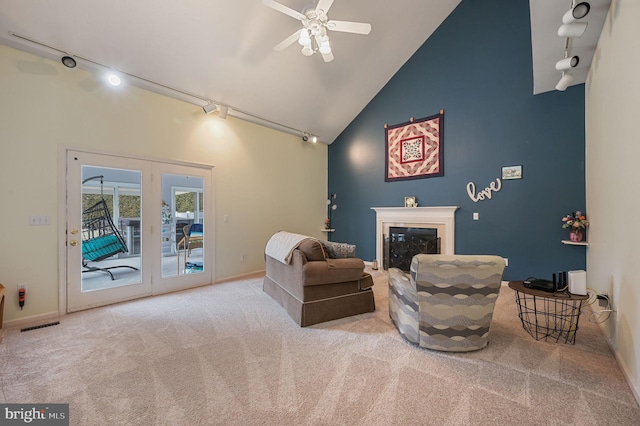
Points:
(313, 36)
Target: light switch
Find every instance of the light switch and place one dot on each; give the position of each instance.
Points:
(476, 216)
(39, 220)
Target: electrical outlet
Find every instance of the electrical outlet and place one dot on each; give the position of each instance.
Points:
(610, 293)
(603, 300)
(22, 285)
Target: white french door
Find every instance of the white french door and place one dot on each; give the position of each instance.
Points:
(126, 222)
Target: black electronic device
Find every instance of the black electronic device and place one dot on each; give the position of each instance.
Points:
(563, 282)
(539, 284)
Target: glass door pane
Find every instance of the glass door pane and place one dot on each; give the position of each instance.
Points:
(111, 224)
(183, 229)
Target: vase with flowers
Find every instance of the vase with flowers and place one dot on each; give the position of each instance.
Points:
(576, 223)
(327, 223)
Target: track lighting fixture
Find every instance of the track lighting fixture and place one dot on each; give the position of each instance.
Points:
(570, 28)
(213, 107)
(209, 108)
(578, 11)
(68, 61)
(564, 82)
(223, 111)
(573, 30)
(567, 63)
(306, 137)
(115, 78)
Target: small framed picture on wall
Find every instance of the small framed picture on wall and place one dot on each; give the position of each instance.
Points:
(511, 172)
(410, 202)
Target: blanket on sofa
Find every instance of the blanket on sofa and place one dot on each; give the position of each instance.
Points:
(280, 246)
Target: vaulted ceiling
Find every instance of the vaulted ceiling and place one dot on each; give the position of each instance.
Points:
(222, 51)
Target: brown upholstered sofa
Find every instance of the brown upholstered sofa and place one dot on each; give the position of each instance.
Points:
(313, 288)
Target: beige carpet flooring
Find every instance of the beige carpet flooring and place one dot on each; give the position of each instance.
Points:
(227, 354)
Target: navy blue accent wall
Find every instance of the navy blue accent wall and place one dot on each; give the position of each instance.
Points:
(477, 67)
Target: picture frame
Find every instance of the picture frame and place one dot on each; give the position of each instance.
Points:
(410, 202)
(511, 172)
(415, 149)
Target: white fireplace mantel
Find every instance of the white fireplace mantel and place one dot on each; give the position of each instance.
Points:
(442, 218)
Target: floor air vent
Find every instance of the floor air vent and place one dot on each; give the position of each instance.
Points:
(40, 326)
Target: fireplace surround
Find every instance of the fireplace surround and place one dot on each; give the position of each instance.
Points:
(440, 218)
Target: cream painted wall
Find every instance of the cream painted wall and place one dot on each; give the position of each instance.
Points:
(613, 194)
(265, 180)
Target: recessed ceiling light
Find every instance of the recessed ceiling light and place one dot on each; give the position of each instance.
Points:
(114, 80)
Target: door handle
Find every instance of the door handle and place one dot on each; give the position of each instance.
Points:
(73, 243)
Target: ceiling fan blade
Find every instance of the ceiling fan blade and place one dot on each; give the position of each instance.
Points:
(328, 57)
(287, 41)
(284, 9)
(324, 5)
(349, 27)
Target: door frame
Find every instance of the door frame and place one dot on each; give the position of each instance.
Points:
(62, 216)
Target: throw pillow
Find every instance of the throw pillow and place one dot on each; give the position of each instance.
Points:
(339, 250)
(312, 249)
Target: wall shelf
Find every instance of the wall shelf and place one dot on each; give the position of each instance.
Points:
(575, 243)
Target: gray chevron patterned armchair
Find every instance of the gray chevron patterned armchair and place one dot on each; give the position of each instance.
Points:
(447, 301)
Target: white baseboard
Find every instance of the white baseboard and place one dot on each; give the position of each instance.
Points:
(623, 366)
(32, 320)
(253, 274)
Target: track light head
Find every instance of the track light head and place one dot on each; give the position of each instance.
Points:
(564, 82)
(209, 108)
(223, 111)
(567, 63)
(305, 137)
(572, 30)
(578, 11)
(68, 61)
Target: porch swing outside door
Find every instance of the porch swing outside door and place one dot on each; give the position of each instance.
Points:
(150, 238)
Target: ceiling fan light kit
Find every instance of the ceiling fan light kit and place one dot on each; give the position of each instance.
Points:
(571, 28)
(313, 36)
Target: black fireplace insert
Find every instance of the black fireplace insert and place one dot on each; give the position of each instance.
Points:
(403, 243)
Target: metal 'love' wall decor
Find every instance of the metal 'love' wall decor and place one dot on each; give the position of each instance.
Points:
(414, 150)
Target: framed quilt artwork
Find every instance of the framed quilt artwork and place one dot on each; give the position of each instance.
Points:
(414, 150)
